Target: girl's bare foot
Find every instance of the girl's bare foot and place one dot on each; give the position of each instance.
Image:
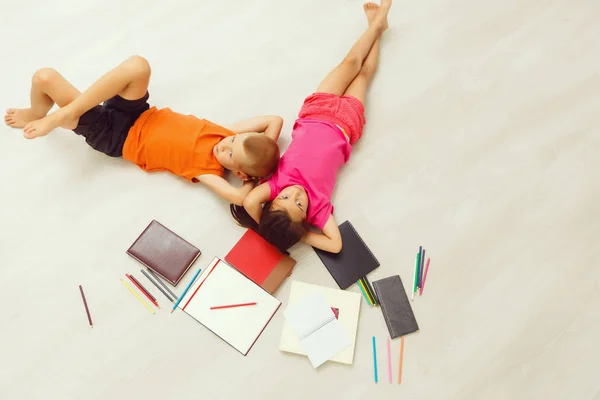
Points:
(19, 117)
(377, 15)
(41, 127)
(371, 10)
(384, 9)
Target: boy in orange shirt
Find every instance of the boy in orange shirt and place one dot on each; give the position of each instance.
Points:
(156, 140)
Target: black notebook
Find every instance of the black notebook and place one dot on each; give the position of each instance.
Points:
(395, 306)
(353, 262)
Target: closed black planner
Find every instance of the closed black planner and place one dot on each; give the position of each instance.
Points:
(353, 262)
(396, 309)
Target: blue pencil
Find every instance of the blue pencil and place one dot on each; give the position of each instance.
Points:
(186, 289)
(375, 360)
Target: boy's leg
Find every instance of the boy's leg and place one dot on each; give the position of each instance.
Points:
(129, 80)
(338, 80)
(47, 87)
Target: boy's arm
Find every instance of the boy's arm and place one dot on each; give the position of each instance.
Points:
(225, 189)
(330, 240)
(253, 202)
(269, 124)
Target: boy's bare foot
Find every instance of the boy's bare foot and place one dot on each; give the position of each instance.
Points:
(19, 117)
(41, 127)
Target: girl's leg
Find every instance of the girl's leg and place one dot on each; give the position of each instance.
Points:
(129, 80)
(338, 80)
(360, 84)
(47, 87)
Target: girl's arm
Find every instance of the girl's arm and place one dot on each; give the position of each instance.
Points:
(253, 202)
(330, 240)
(269, 124)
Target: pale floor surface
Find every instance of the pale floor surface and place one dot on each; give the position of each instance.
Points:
(481, 144)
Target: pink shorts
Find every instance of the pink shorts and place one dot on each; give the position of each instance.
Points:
(347, 112)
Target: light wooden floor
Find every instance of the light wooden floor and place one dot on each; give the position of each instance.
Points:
(481, 144)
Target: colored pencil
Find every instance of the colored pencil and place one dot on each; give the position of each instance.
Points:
(419, 268)
(370, 288)
(421, 264)
(186, 289)
(363, 292)
(156, 285)
(139, 285)
(137, 296)
(162, 283)
(366, 287)
(362, 285)
(200, 285)
(375, 361)
(425, 274)
(389, 360)
(414, 279)
(142, 289)
(87, 310)
(233, 305)
(401, 357)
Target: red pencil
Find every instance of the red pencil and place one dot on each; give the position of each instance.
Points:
(143, 290)
(233, 305)
(87, 311)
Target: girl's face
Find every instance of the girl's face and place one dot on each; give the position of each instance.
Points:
(293, 200)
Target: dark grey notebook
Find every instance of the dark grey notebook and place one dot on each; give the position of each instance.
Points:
(395, 306)
(353, 262)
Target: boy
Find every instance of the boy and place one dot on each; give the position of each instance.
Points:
(125, 125)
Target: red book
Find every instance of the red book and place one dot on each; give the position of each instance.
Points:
(260, 261)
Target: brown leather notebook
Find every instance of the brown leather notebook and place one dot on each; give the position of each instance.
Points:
(164, 252)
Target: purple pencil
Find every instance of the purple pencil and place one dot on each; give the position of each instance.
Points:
(87, 310)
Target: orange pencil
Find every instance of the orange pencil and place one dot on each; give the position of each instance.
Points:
(401, 356)
(143, 290)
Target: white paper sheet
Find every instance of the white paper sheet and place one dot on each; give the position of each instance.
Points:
(348, 304)
(319, 332)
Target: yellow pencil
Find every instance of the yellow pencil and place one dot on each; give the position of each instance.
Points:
(362, 285)
(137, 296)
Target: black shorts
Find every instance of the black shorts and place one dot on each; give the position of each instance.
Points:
(105, 127)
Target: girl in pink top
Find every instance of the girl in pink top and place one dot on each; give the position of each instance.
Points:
(297, 196)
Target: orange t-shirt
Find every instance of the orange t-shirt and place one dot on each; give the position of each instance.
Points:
(163, 140)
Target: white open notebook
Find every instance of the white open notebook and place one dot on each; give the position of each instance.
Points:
(219, 285)
(311, 327)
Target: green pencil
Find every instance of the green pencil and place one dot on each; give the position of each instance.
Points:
(363, 292)
(415, 277)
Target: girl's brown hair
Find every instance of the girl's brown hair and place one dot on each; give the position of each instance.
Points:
(275, 226)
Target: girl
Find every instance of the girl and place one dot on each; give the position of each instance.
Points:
(331, 120)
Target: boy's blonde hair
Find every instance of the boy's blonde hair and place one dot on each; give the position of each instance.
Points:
(262, 156)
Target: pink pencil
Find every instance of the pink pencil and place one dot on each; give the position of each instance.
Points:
(233, 305)
(389, 360)
(424, 277)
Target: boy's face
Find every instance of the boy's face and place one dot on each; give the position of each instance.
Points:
(230, 153)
